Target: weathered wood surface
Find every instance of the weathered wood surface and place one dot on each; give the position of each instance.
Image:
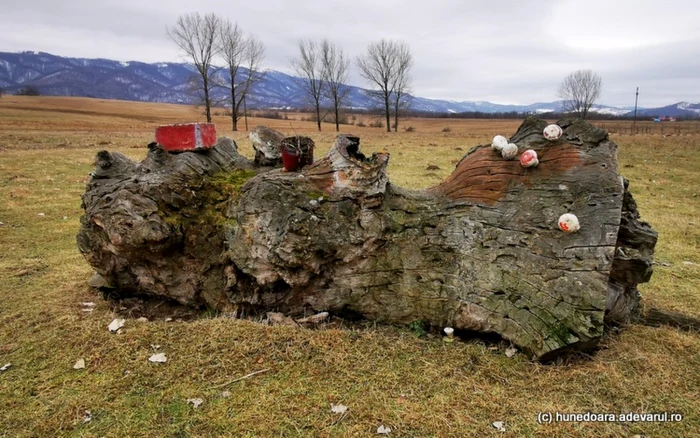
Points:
(481, 251)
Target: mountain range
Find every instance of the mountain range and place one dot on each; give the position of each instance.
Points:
(166, 82)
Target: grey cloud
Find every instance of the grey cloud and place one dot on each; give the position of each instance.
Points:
(501, 51)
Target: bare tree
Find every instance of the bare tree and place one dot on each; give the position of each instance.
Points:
(579, 91)
(309, 67)
(381, 66)
(335, 66)
(196, 36)
(402, 82)
(242, 56)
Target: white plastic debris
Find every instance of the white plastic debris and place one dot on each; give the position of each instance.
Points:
(511, 351)
(509, 151)
(314, 319)
(41, 215)
(338, 409)
(5, 367)
(529, 158)
(116, 324)
(383, 430)
(498, 143)
(196, 402)
(499, 426)
(65, 218)
(88, 417)
(155, 346)
(450, 334)
(569, 223)
(552, 132)
(79, 364)
(226, 394)
(142, 319)
(158, 358)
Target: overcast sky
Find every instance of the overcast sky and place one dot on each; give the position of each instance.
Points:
(500, 51)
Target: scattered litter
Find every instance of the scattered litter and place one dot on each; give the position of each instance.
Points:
(314, 319)
(41, 214)
(65, 218)
(158, 358)
(88, 417)
(241, 378)
(499, 426)
(5, 367)
(687, 263)
(313, 202)
(450, 332)
(383, 430)
(87, 304)
(79, 364)
(116, 324)
(320, 199)
(226, 394)
(142, 319)
(168, 319)
(195, 402)
(511, 351)
(155, 346)
(338, 409)
(127, 372)
(277, 318)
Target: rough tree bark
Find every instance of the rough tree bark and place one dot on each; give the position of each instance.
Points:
(481, 251)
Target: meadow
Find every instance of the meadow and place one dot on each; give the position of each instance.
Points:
(393, 376)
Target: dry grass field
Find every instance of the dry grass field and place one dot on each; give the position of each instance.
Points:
(417, 386)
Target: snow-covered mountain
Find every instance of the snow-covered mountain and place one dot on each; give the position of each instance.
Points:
(167, 83)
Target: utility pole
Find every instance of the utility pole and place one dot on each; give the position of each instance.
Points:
(634, 123)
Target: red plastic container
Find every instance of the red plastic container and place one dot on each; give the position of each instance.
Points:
(290, 159)
(186, 137)
(297, 152)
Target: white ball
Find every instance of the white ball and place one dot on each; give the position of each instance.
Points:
(569, 223)
(510, 151)
(552, 132)
(498, 143)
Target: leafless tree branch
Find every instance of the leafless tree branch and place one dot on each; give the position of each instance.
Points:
(386, 65)
(196, 36)
(309, 68)
(579, 91)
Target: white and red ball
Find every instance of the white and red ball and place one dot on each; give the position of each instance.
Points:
(529, 158)
(552, 132)
(569, 223)
(498, 143)
(510, 151)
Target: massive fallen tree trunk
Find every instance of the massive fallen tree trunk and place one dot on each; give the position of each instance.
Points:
(481, 251)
